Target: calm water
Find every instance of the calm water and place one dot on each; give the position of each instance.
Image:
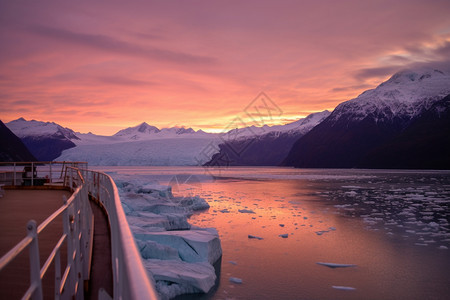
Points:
(394, 225)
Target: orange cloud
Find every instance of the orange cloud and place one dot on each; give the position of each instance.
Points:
(103, 66)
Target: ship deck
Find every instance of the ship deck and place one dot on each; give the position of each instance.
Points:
(17, 207)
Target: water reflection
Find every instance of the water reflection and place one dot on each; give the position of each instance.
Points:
(394, 225)
(389, 266)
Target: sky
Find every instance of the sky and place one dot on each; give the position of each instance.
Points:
(101, 66)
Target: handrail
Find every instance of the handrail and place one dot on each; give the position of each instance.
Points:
(130, 279)
(129, 275)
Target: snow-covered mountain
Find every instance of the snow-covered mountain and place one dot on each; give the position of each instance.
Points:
(405, 95)
(142, 144)
(241, 148)
(300, 126)
(144, 132)
(45, 140)
(23, 128)
(358, 126)
(11, 147)
(142, 129)
(147, 145)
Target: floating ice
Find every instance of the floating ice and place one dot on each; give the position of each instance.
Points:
(236, 280)
(151, 249)
(168, 221)
(193, 203)
(321, 232)
(193, 245)
(178, 255)
(284, 236)
(246, 211)
(254, 237)
(334, 265)
(343, 288)
(189, 277)
(162, 190)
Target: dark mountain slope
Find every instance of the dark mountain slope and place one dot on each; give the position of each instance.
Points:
(424, 144)
(11, 147)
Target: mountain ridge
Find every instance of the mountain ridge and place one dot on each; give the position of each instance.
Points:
(358, 126)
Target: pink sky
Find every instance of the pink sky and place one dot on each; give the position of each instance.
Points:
(101, 66)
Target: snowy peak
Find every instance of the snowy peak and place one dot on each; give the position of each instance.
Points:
(306, 124)
(403, 96)
(23, 128)
(407, 76)
(300, 126)
(141, 129)
(144, 132)
(177, 130)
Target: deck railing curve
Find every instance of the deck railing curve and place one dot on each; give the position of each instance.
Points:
(130, 279)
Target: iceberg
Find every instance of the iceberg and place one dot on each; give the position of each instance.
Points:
(334, 265)
(343, 288)
(187, 277)
(153, 250)
(193, 245)
(168, 221)
(255, 237)
(246, 211)
(177, 255)
(236, 280)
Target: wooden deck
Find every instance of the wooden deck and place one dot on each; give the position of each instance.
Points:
(17, 207)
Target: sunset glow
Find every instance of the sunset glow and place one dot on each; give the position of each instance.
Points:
(104, 65)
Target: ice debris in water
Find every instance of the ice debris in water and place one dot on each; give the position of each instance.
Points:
(254, 237)
(191, 277)
(236, 280)
(177, 255)
(284, 236)
(343, 288)
(246, 211)
(334, 265)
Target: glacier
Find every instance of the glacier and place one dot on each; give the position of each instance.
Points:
(145, 144)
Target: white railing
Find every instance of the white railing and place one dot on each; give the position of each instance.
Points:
(130, 279)
(77, 234)
(35, 173)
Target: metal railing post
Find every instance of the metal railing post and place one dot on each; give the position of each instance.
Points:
(71, 178)
(57, 274)
(14, 169)
(78, 256)
(67, 220)
(35, 268)
(51, 175)
(32, 174)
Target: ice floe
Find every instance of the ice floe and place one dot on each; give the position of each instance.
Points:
(179, 277)
(254, 237)
(343, 288)
(235, 280)
(335, 265)
(178, 256)
(246, 211)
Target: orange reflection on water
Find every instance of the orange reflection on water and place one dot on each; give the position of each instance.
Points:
(285, 268)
